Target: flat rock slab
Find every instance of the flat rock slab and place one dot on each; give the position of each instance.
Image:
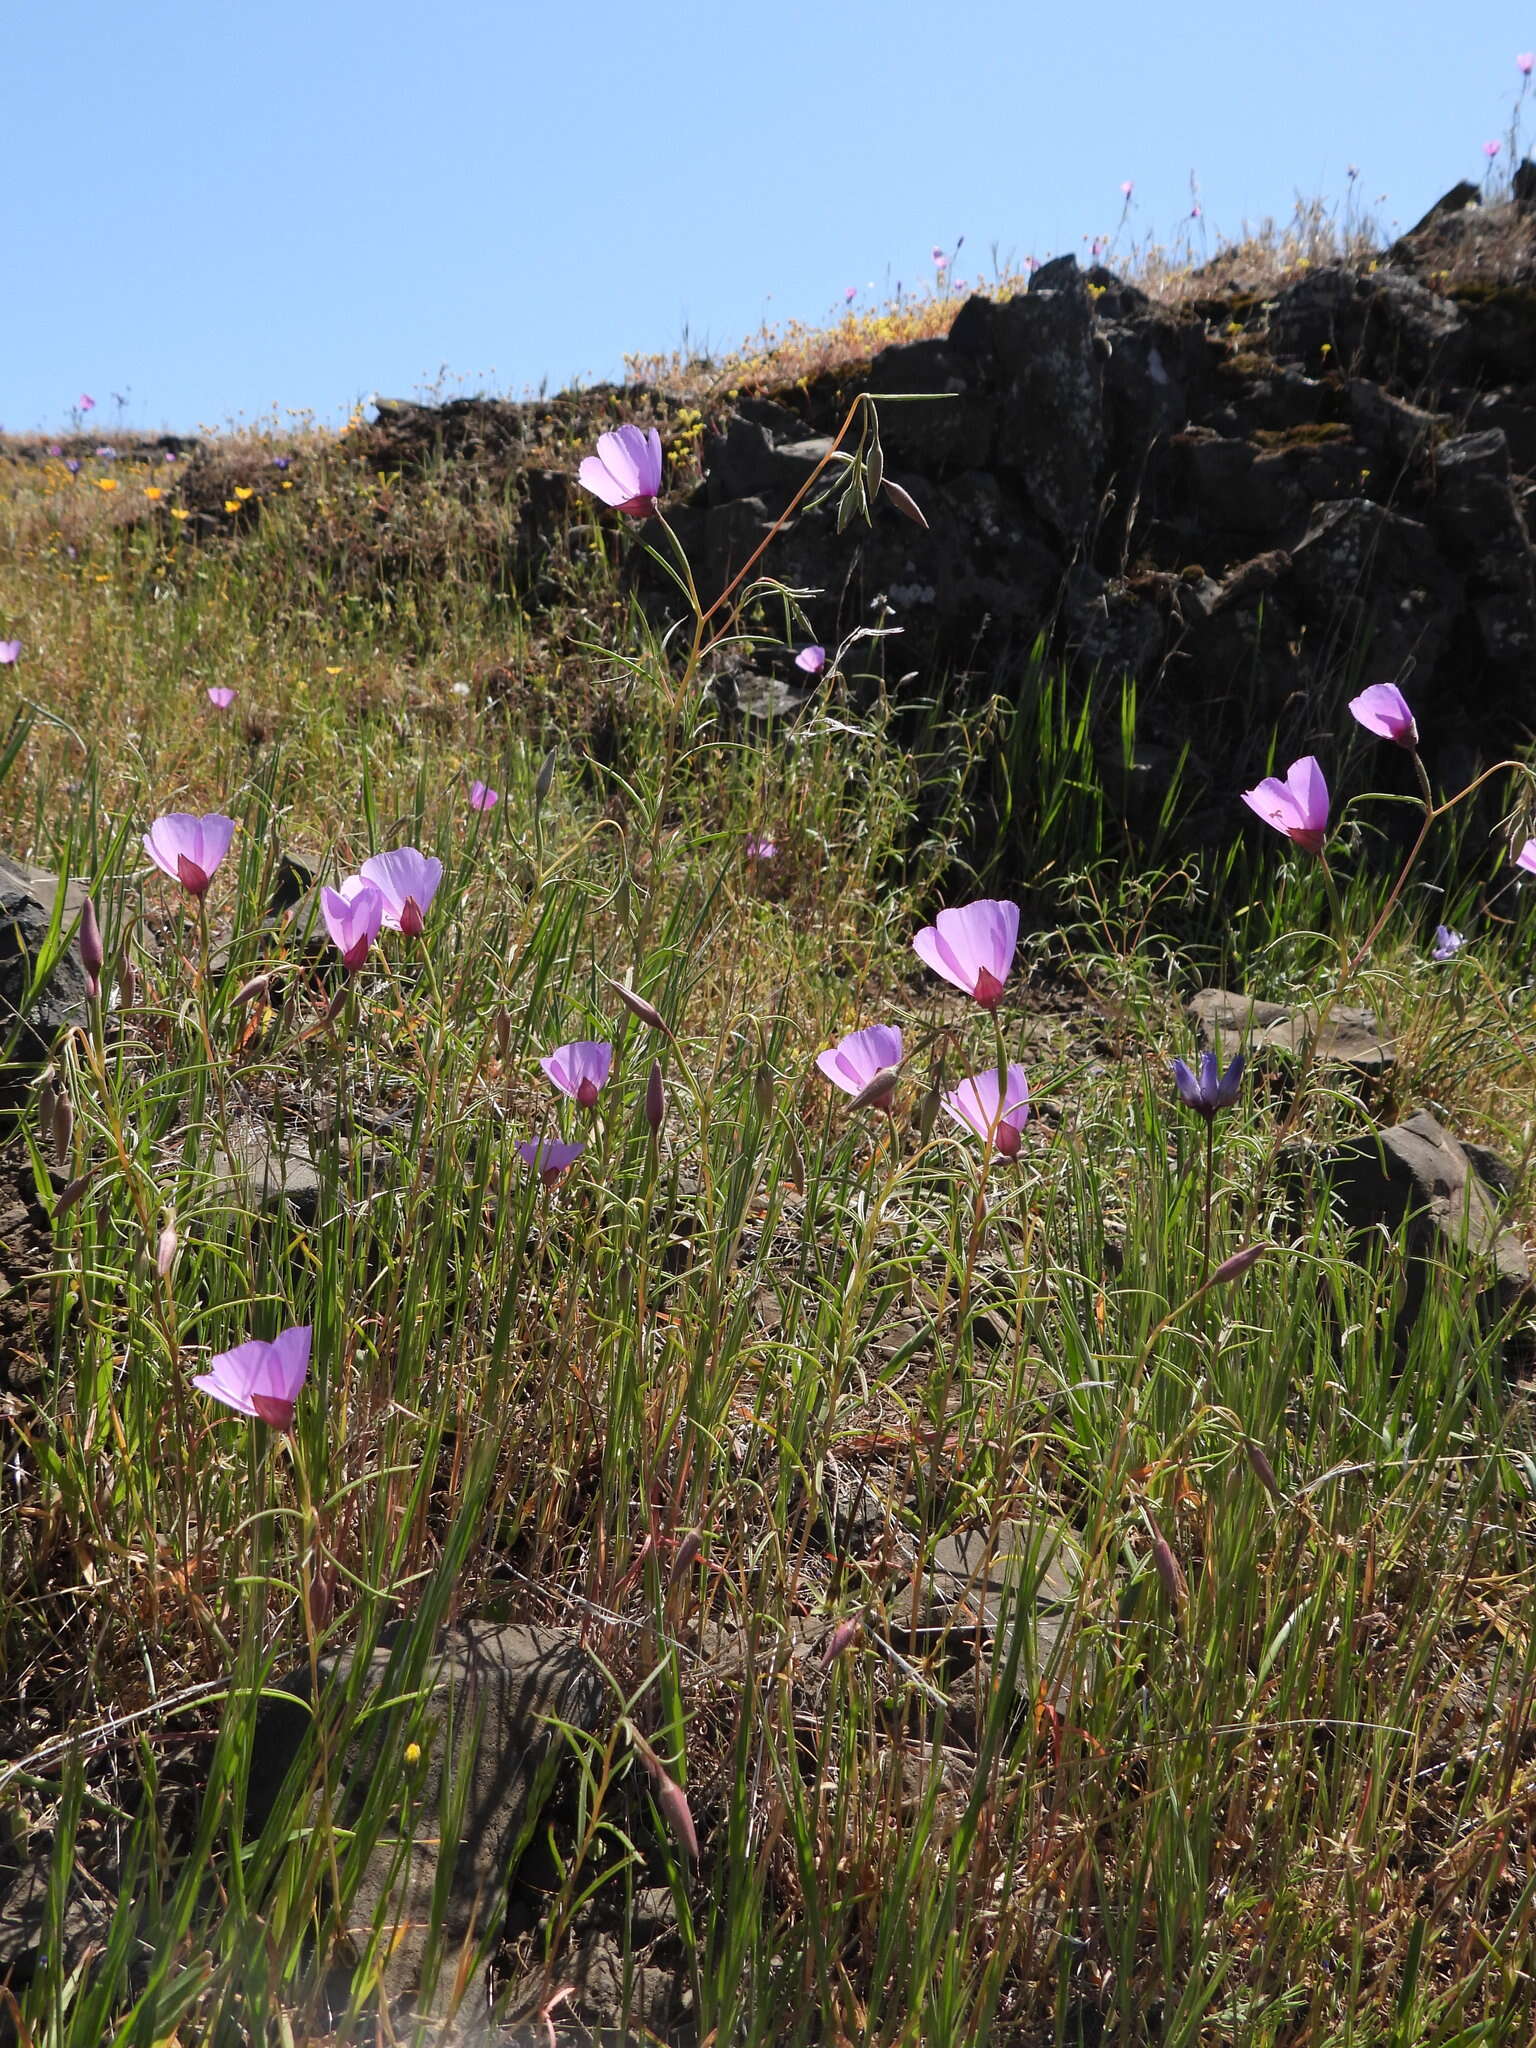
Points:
(491, 1711)
(1229, 1022)
(1417, 1174)
(1018, 1574)
(28, 897)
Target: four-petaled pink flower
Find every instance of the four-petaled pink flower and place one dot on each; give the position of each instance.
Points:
(580, 1069)
(859, 1060)
(759, 848)
(1526, 857)
(626, 470)
(482, 797)
(407, 879)
(261, 1379)
(10, 651)
(995, 1113)
(812, 659)
(220, 697)
(1298, 807)
(187, 848)
(353, 914)
(549, 1157)
(1384, 709)
(973, 947)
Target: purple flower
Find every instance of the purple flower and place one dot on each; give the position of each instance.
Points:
(353, 914)
(1447, 943)
(407, 880)
(281, 461)
(1298, 807)
(1210, 1090)
(55, 450)
(626, 470)
(1384, 709)
(72, 464)
(994, 1115)
(1526, 857)
(187, 848)
(812, 659)
(87, 403)
(220, 697)
(106, 454)
(580, 1069)
(1490, 150)
(10, 651)
(548, 1157)
(972, 947)
(482, 797)
(762, 849)
(259, 1379)
(939, 258)
(850, 295)
(860, 1060)
(1524, 61)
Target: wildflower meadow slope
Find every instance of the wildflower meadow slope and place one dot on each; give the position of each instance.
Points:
(653, 1372)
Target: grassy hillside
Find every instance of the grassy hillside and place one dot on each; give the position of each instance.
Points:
(1047, 1633)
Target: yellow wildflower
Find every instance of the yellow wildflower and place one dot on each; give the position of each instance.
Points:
(243, 491)
(180, 512)
(231, 504)
(106, 483)
(153, 491)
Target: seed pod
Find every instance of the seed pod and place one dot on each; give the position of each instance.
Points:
(63, 1125)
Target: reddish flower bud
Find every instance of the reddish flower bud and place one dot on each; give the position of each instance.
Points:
(93, 954)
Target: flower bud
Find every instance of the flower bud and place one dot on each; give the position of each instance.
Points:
(1169, 1571)
(1262, 1469)
(165, 1250)
(544, 781)
(248, 991)
(63, 1125)
(638, 1006)
(1235, 1267)
(93, 955)
(655, 1098)
(904, 502)
(839, 1640)
(685, 1555)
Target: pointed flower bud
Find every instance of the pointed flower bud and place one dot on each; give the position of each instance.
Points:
(655, 1098)
(93, 954)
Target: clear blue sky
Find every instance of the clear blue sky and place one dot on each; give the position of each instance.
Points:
(220, 208)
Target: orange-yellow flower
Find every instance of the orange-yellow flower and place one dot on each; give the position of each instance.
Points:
(231, 504)
(180, 512)
(153, 491)
(106, 483)
(243, 491)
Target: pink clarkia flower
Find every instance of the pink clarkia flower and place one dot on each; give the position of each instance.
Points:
(1526, 857)
(1525, 60)
(87, 403)
(407, 879)
(187, 848)
(259, 1379)
(548, 1157)
(940, 260)
(482, 797)
(353, 914)
(581, 1069)
(1384, 709)
(759, 848)
(973, 947)
(626, 470)
(850, 295)
(1127, 186)
(10, 651)
(1298, 807)
(861, 1058)
(812, 659)
(220, 697)
(1490, 150)
(993, 1113)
